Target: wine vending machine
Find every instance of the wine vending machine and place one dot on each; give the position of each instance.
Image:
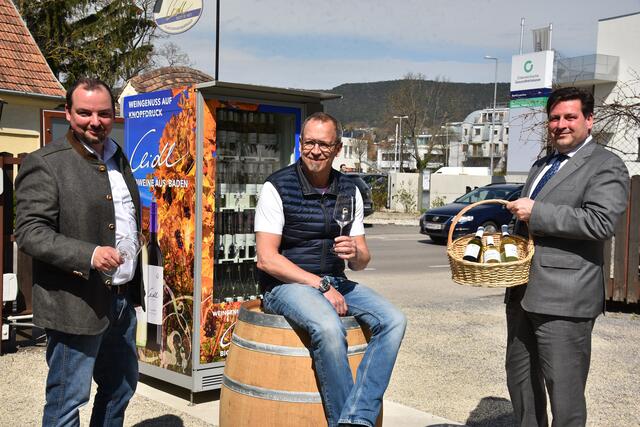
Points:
(200, 155)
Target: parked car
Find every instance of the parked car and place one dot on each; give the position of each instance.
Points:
(365, 190)
(436, 221)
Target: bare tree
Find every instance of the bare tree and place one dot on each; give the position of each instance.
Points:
(616, 122)
(170, 55)
(360, 147)
(418, 99)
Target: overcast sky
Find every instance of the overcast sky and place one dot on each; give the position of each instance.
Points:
(322, 44)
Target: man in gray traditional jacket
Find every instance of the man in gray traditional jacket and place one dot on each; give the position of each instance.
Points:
(76, 198)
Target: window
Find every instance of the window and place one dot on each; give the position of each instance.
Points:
(466, 132)
(476, 131)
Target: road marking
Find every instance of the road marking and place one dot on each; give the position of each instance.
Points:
(369, 269)
(391, 238)
(439, 266)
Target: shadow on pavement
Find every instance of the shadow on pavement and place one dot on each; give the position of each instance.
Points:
(431, 242)
(492, 412)
(162, 421)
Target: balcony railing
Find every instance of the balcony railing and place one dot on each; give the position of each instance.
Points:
(587, 70)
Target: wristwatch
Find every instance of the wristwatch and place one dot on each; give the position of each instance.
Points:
(325, 284)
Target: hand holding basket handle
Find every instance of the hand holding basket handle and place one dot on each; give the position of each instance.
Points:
(503, 274)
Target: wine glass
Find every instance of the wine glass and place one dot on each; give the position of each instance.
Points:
(343, 212)
(129, 248)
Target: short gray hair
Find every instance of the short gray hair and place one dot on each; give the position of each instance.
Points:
(323, 117)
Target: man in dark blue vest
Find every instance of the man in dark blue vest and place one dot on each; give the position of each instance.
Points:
(303, 278)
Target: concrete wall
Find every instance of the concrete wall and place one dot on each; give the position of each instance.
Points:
(407, 187)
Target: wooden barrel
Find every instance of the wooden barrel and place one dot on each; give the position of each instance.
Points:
(268, 376)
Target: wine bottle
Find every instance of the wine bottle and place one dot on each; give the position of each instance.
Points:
(239, 235)
(155, 275)
(250, 236)
(473, 250)
(490, 254)
(229, 237)
(508, 248)
(217, 279)
(220, 229)
(141, 315)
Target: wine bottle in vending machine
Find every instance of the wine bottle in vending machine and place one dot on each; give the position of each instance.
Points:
(219, 234)
(155, 274)
(239, 235)
(250, 236)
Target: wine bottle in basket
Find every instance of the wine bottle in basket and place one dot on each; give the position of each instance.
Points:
(473, 251)
(491, 254)
(508, 248)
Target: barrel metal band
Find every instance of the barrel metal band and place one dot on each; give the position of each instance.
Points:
(285, 350)
(269, 394)
(276, 321)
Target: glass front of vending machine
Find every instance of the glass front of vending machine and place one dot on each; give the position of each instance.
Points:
(200, 156)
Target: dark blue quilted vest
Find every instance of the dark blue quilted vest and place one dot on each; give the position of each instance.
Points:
(309, 229)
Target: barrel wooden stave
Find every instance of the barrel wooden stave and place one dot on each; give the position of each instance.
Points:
(271, 377)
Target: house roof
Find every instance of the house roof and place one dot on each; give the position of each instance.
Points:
(22, 65)
(168, 77)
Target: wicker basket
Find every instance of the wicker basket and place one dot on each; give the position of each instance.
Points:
(498, 275)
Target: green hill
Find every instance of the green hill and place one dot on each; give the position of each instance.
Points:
(366, 103)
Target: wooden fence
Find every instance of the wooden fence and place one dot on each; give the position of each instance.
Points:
(622, 253)
(622, 257)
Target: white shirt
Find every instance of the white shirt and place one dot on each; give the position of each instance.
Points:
(123, 206)
(270, 214)
(546, 168)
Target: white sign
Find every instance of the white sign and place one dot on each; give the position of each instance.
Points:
(532, 71)
(176, 16)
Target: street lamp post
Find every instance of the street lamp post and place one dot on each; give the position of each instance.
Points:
(399, 141)
(493, 115)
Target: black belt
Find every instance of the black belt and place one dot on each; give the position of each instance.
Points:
(118, 289)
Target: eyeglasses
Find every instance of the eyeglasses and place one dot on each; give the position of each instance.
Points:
(323, 146)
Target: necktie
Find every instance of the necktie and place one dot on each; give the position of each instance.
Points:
(555, 165)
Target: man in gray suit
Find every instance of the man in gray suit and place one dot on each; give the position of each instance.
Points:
(76, 197)
(575, 197)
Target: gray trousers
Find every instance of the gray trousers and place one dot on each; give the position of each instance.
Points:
(547, 350)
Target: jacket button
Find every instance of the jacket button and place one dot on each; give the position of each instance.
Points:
(77, 273)
(112, 226)
(102, 168)
(108, 197)
(107, 282)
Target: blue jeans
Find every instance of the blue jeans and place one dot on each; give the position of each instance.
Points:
(110, 357)
(306, 307)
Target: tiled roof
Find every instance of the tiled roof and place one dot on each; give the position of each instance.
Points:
(168, 77)
(22, 65)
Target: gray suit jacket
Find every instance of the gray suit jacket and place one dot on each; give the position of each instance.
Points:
(64, 211)
(572, 217)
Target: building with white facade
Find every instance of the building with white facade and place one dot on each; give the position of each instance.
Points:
(481, 138)
(613, 76)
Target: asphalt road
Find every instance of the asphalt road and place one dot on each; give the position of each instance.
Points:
(410, 267)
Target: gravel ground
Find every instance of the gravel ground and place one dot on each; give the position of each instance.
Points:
(22, 396)
(452, 364)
